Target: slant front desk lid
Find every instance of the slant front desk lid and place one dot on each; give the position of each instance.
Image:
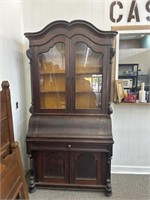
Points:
(70, 127)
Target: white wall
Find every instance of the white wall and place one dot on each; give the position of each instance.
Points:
(39, 14)
(12, 66)
(36, 15)
(131, 131)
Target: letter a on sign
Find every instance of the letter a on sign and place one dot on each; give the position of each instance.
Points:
(134, 13)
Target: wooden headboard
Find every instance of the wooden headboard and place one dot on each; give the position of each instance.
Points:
(7, 134)
(12, 184)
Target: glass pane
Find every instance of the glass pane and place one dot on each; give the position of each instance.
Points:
(88, 77)
(52, 78)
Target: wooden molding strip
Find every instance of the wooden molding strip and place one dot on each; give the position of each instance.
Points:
(136, 27)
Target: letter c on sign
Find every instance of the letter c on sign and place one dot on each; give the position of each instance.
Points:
(112, 11)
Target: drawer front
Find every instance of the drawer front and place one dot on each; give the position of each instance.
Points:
(69, 146)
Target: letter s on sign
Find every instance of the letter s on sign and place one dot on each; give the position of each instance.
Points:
(112, 11)
(148, 10)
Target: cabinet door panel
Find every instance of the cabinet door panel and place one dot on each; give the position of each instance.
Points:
(52, 70)
(88, 77)
(51, 76)
(53, 167)
(88, 168)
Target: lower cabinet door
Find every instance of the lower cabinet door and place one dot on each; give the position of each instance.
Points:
(88, 168)
(70, 167)
(52, 167)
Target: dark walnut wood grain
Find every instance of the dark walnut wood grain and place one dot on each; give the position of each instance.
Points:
(69, 140)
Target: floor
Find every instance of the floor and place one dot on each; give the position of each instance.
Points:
(125, 187)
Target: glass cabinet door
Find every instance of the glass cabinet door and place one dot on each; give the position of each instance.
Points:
(88, 77)
(52, 70)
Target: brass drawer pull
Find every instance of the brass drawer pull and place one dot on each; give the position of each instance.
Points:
(69, 146)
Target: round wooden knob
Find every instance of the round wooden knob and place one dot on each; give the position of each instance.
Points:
(69, 146)
(5, 85)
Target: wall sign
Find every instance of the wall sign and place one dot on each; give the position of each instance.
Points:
(133, 11)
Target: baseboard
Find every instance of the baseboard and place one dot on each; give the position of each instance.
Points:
(119, 169)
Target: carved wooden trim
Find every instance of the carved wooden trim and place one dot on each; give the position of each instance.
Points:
(113, 71)
(31, 109)
(28, 52)
(110, 110)
(32, 187)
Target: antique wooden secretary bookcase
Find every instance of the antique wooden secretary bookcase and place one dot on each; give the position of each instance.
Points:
(69, 140)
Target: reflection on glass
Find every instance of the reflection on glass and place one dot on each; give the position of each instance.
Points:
(52, 78)
(88, 77)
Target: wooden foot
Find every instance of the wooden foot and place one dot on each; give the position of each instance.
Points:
(108, 191)
(32, 187)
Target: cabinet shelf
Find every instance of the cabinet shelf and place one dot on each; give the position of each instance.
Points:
(89, 74)
(89, 71)
(139, 103)
(52, 73)
(128, 73)
(50, 91)
(127, 76)
(83, 91)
